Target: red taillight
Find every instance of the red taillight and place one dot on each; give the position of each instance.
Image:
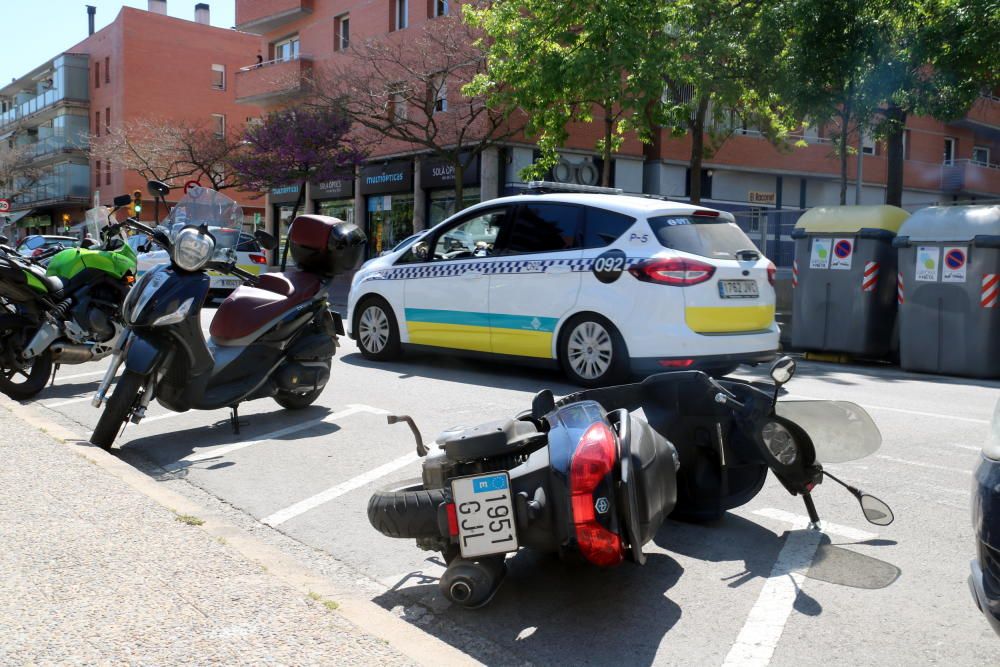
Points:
(36, 252)
(703, 213)
(676, 363)
(771, 270)
(452, 519)
(258, 259)
(674, 271)
(594, 458)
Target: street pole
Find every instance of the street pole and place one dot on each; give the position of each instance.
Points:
(861, 157)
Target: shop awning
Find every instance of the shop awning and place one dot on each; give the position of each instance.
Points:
(12, 218)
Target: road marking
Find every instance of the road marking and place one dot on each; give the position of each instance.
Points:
(938, 415)
(217, 452)
(303, 506)
(826, 526)
(971, 448)
(930, 466)
(80, 399)
(81, 375)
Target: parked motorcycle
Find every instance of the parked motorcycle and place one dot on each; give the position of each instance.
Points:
(60, 307)
(588, 478)
(275, 336)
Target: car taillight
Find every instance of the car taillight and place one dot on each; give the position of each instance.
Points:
(258, 259)
(36, 252)
(594, 458)
(676, 363)
(674, 271)
(771, 270)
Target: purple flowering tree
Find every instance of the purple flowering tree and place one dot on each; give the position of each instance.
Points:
(297, 145)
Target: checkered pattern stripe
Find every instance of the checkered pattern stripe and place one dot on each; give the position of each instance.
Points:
(516, 266)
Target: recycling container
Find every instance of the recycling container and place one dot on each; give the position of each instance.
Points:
(844, 279)
(949, 291)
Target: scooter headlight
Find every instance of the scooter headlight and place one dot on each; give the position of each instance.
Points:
(779, 442)
(192, 249)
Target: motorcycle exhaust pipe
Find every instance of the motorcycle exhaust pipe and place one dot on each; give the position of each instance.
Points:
(71, 354)
(472, 584)
(46, 335)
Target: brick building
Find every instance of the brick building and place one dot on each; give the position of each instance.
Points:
(943, 162)
(145, 64)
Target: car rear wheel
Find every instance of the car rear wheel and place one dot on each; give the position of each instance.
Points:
(376, 330)
(592, 352)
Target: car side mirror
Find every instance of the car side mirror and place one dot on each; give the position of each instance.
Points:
(266, 241)
(421, 250)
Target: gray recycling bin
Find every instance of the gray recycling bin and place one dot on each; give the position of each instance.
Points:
(949, 291)
(844, 279)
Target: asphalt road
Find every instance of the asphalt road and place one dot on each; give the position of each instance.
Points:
(750, 589)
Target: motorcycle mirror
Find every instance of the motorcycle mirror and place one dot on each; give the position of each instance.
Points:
(157, 188)
(542, 404)
(161, 238)
(266, 241)
(122, 200)
(421, 250)
(876, 511)
(782, 370)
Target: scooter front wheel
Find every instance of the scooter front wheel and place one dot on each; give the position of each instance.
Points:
(117, 410)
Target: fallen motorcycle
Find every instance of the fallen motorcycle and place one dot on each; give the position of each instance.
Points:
(588, 478)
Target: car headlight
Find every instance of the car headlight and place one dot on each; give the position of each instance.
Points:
(192, 249)
(779, 442)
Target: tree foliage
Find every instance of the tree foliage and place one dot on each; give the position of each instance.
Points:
(18, 171)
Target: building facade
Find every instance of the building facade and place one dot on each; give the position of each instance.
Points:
(144, 65)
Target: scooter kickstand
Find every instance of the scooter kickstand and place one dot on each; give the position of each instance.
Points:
(52, 380)
(234, 419)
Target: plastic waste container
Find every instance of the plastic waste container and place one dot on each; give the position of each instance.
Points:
(843, 279)
(949, 291)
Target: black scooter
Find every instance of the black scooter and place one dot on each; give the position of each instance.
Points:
(275, 336)
(587, 478)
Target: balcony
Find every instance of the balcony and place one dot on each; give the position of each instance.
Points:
(983, 118)
(262, 16)
(272, 80)
(967, 176)
(64, 184)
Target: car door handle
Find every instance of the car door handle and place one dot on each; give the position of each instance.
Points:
(557, 269)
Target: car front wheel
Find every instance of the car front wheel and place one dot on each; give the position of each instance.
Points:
(375, 330)
(592, 352)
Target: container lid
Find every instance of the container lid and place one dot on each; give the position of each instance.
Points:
(851, 219)
(953, 223)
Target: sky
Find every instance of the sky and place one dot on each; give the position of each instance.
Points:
(34, 31)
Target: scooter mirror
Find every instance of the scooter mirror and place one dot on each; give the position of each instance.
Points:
(157, 189)
(876, 511)
(266, 241)
(122, 200)
(782, 370)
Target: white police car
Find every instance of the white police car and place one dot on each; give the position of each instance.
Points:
(603, 284)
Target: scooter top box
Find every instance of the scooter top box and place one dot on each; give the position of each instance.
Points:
(325, 245)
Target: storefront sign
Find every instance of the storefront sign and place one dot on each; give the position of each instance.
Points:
(338, 188)
(391, 177)
(762, 197)
(441, 174)
(286, 194)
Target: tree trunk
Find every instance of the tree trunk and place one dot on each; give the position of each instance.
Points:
(894, 155)
(697, 128)
(845, 117)
(606, 153)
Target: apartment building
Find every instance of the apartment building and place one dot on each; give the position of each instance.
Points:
(401, 190)
(144, 65)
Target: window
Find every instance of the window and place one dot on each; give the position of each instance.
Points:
(438, 94)
(867, 143)
(219, 77)
(341, 32)
(107, 173)
(400, 14)
(981, 155)
(97, 74)
(602, 228)
(287, 49)
(544, 228)
(440, 7)
(474, 237)
(708, 237)
(97, 181)
(219, 125)
(397, 102)
(107, 70)
(107, 119)
(949, 150)
(97, 123)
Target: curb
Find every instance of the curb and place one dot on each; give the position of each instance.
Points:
(422, 648)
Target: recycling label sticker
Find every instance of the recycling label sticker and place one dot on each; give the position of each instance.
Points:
(927, 264)
(843, 252)
(820, 256)
(955, 266)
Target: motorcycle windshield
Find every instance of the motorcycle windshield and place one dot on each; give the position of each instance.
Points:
(204, 206)
(840, 431)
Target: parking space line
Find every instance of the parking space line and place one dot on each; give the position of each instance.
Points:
(313, 502)
(827, 527)
(80, 399)
(919, 413)
(217, 452)
(81, 375)
(919, 464)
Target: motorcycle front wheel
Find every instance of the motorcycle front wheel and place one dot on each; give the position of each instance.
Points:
(117, 410)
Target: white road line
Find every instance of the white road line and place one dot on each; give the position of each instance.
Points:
(217, 452)
(971, 448)
(303, 506)
(81, 375)
(908, 412)
(827, 527)
(918, 464)
(81, 399)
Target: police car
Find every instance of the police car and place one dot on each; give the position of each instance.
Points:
(605, 285)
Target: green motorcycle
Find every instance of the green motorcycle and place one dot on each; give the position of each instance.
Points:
(65, 313)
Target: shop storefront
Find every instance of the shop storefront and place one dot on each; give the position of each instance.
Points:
(438, 179)
(335, 198)
(388, 191)
(283, 202)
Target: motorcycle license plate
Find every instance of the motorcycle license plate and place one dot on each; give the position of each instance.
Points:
(485, 515)
(738, 289)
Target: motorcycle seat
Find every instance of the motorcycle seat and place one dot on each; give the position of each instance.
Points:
(249, 309)
(52, 282)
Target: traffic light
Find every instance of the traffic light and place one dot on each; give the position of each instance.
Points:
(65, 221)
(137, 204)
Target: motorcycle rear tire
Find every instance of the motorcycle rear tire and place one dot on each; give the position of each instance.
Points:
(117, 410)
(406, 509)
(36, 379)
(292, 401)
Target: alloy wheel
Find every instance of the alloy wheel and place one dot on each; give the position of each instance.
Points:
(373, 329)
(590, 350)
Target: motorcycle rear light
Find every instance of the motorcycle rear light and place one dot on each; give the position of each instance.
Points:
(676, 363)
(771, 270)
(595, 457)
(258, 259)
(674, 271)
(452, 519)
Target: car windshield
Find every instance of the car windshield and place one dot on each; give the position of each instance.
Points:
(716, 238)
(203, 206)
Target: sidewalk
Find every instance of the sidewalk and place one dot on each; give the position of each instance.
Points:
(93, 571)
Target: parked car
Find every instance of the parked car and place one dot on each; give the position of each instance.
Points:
(603, 284)
(985, 578)
(250, 257)
(37, 244)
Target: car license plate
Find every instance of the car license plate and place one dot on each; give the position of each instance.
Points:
(738, 289)
(227, 283)
(485, 515)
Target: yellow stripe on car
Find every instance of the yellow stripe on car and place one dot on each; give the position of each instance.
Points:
(731, 319)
